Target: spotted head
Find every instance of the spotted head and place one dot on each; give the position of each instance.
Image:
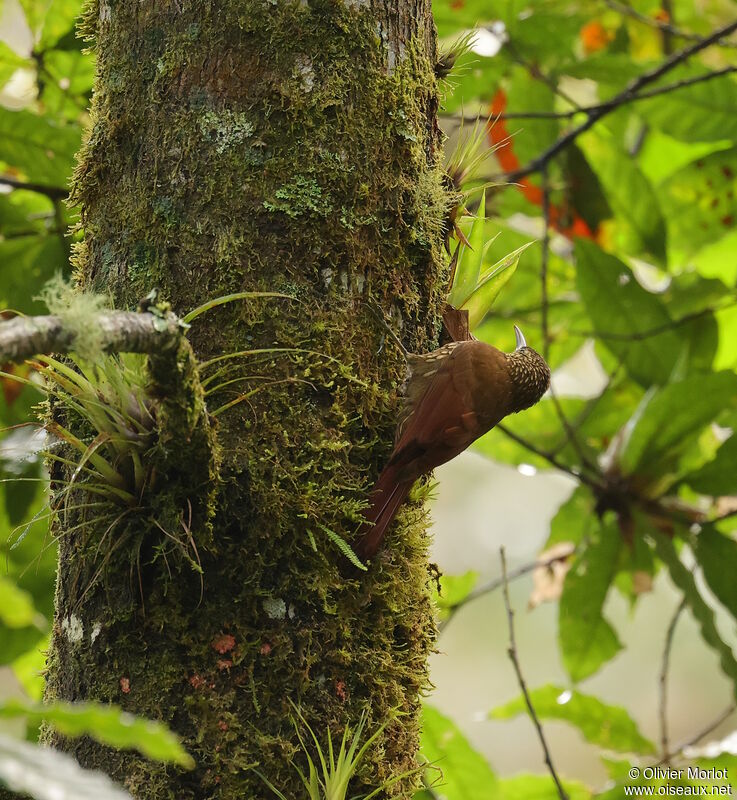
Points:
(529, 372)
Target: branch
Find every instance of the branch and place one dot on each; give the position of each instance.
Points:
(121, 332)
(52, 192)
(625, 96)
(664, 681)
(661, 25)
(550, 458)
(523, 686)
(493, 585)
(658, 329)
(712, 726)
(667, 89)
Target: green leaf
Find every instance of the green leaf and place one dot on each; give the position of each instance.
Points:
(573, 518)
(39, 147)
(586, 639)
(539, 787)
(10, 61)
(453, 590)
(718, 477)
(490, 283)
(703, 613)
(47, 774)
(699, 113)
(16, 606)
(638, 226)
(15, 642)
(468, 267)
(717, 557)
(619, 307)
(26, 264)
(699, 203)
(610, 727)
(668, 417)
(466, 773)
(106, 724)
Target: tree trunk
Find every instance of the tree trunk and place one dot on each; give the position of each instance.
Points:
(259, 145)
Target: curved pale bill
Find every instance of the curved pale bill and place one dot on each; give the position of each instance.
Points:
(520, 338)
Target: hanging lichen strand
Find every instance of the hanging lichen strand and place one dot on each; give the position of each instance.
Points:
(283, 147)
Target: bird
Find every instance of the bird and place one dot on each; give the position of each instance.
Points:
(452, 396)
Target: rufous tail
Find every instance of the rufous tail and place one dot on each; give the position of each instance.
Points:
(386, 497)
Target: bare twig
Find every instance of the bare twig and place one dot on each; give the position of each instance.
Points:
(550, 458)
(655, 331)
(663, 681)
(52, 192)
(496, 583)
(570, 113)
(702, 734)
(625, 96)
(544, 323)
(661, 25)
(121, 331)
(512, 651)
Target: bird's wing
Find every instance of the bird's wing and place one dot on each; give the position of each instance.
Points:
(441, 418)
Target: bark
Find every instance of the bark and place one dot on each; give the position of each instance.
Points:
(289, 147)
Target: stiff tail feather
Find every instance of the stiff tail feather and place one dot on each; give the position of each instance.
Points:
(386, 497)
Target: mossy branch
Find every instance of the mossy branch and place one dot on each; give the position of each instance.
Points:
(119, 332)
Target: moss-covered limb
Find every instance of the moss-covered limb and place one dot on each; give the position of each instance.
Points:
(261, 145)
(119, 332)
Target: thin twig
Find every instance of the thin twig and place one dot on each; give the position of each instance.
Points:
(661, 25)
(550, 458)
(512, 651)
(52, 192)
(663, 681)
(712, 726)
(655, 331)
(570, 113)
(496, 583)
(625, 96)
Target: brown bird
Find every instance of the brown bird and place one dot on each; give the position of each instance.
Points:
(453, 395)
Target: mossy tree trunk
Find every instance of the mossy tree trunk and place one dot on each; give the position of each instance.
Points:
(259, 145)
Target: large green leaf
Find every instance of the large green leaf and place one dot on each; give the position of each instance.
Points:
(620, 310)
(26, 264)
(466, 773)
(717, 557)
(453, 591)
(39, 147)
(702, 612)
(718, 476)
(587, 640)
(610, 727)
(699, 113)
(700, 203)
(491, 281)
(106, 724)
(16, 605)
(468, 267)
(539, 787)
(668, 417)
(47, 774)
(573, 519)
(638, 226)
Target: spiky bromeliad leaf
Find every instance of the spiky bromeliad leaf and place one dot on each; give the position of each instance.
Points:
(490, 283)
(468, 267)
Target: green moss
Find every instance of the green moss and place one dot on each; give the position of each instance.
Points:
(274, 165)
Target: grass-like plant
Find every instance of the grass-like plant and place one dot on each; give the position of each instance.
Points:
(329, 778)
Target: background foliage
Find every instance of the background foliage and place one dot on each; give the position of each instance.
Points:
(628, 186)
